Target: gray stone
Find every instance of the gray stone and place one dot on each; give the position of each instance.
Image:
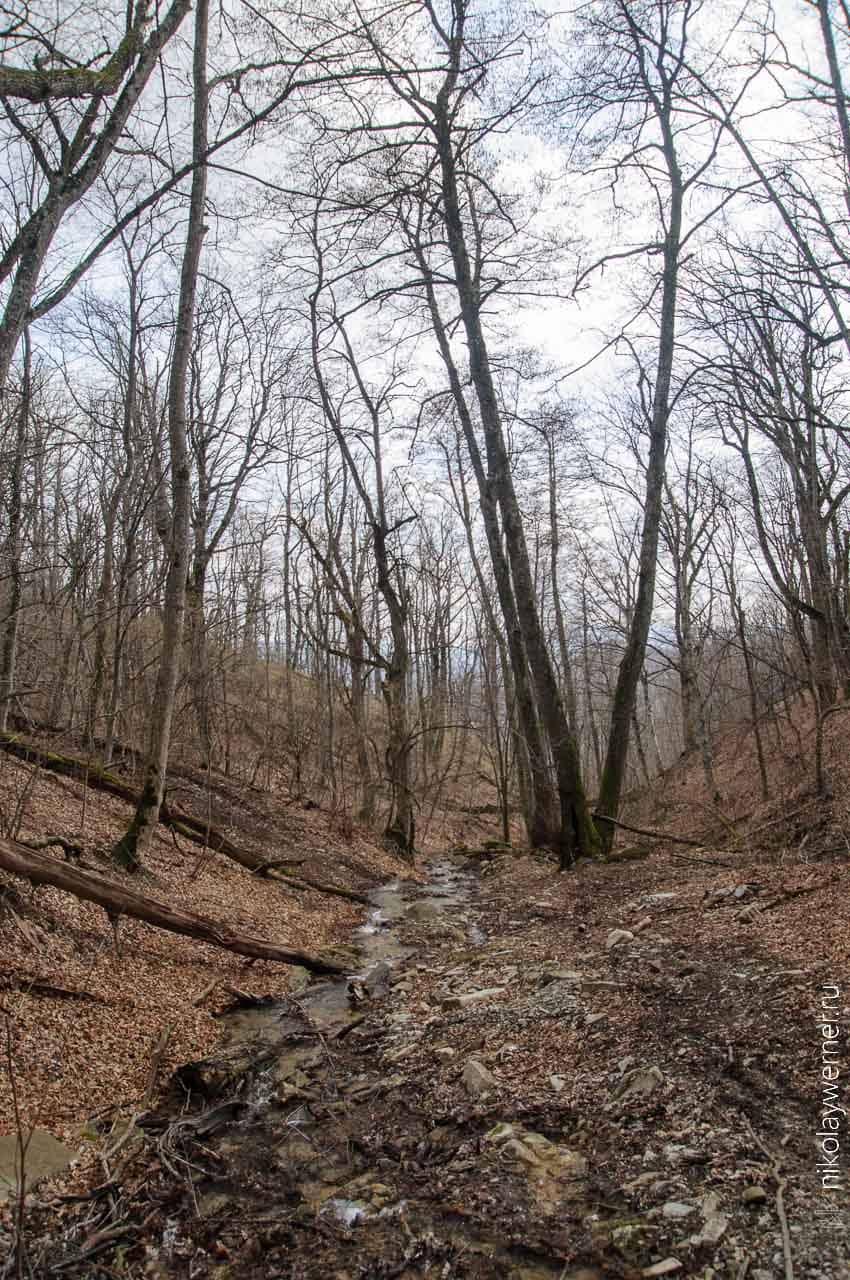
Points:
(472, 997)
(616, 937)
(377, 980)
(675, 1154)
(560, 975)
(668, 1267)
(558, 1083)
(640, 1083)
(713, 1231)
(477, 1079)
(656, 899)
(676, 1209)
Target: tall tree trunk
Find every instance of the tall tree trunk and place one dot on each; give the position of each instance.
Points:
(400, 828)
(9, 652)
(199, 673)
(631, 665)
(738, 610)
(128, 850)
(541, 801)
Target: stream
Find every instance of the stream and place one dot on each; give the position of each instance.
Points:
(331, 1004)
(327, 1143)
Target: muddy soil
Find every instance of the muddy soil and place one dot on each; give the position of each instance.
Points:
(501, 1089)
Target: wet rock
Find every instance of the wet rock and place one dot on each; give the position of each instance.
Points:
(617, 937)
(477, 1079)
(377, 980)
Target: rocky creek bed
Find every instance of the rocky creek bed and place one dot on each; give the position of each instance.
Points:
(516, 1081)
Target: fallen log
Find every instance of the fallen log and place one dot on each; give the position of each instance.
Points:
(194, 829)
(658, 835)
(118, 900)
(300, 881)
(38, 987)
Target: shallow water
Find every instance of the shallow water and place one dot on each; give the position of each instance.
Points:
(327, 1004)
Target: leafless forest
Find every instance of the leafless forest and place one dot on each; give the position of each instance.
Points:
(428, 412)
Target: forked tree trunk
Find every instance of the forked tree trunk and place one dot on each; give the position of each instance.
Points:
(631, 665)
(576, 835)
(541, 804)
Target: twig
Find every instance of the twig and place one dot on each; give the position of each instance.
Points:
(781, 1184)
(700, 862)
(207, 990)
(156, 1059)
(789, 894)
(35, 986)
(102, 1240)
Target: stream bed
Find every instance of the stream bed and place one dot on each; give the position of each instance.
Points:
(327, 1148)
